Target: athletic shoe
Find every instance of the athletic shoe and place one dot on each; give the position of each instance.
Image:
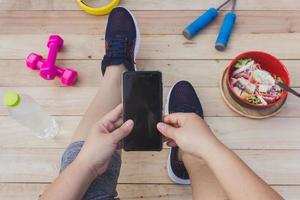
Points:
(122, 39)
(182, 98)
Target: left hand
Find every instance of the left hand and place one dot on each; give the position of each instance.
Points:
(190, 132)
(103, 141)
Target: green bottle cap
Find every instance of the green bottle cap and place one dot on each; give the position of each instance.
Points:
(11, 99)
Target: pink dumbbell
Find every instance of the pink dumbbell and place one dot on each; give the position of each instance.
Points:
(47, 67)
(54, 44)
(68, 76)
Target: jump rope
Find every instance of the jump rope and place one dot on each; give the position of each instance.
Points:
(191, 30)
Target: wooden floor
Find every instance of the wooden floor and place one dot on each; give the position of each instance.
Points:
(271, 147)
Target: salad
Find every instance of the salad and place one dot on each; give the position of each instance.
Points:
(253, 84)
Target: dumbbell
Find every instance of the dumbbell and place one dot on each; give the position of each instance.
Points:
(54, 44)
(47, 67)
(36, 62)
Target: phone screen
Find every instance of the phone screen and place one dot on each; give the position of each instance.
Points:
(142, 102)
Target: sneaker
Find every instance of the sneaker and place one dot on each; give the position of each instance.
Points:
(182, 98)
(122, 39)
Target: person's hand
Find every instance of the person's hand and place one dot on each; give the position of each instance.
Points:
(189, 132)
(103, 141)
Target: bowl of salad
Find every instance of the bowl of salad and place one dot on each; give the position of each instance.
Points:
(252, 79)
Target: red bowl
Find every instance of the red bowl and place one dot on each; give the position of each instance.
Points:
(268, 63)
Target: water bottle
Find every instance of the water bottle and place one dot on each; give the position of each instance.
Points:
(27, 112)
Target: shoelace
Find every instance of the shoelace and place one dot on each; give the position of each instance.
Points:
(117, 47)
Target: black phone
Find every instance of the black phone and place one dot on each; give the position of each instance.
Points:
(142, 102)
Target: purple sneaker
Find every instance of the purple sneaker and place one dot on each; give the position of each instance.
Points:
(122, 39)
(182, 98)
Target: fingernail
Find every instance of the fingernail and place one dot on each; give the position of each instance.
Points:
(129, 123)
(160, 126)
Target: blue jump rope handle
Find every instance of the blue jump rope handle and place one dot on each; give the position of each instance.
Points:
(200, 23)
(225, 31)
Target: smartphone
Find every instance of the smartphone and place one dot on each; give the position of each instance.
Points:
(142, 102)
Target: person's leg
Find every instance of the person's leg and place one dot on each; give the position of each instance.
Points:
(203, 182)
(121, 47)
(107, 97)
(122, 40)
(183, 98)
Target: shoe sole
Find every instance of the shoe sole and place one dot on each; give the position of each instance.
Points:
(171, 175)
(138, 36)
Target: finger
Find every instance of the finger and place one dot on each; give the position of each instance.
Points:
(165, 139)
(175, 118)
(118, 123)
(114, 115)
(122, 131)
(172, 143)
(166, 130)
(111, 126)
(108, 121)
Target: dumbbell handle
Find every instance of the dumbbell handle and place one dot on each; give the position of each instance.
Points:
(60, 71)
(225, 31)
(42, 62)
(52, 53)
(200, 23)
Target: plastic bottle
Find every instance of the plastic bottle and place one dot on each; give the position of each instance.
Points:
(27, 112)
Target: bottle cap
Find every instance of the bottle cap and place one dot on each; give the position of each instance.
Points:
(11, 99)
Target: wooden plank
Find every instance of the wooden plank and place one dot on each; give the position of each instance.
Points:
(150, 22)
(288, 192)
(154, 191)
(75, 100)
(29, 191)
(155, 46)
(15, 73)
(152, 5)
(13, 135)
(235, 132)
(21, 191)
(41, 165)
(196, 71)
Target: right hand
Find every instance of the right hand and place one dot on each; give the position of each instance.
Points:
(189, 132)
(103, 141)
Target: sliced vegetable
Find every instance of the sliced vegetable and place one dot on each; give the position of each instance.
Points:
(255, 85)
(254, 100)
(242, 62)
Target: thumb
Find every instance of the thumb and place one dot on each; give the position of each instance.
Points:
(166, 130)
(123, 130)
